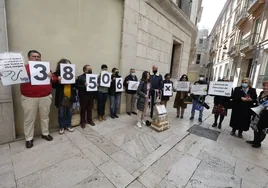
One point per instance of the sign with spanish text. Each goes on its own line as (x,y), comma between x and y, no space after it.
(199,89)
(12,69)
(220,88)
(182,86)
(39,72)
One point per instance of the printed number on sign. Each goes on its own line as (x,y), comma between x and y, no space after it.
(43,71)
(68,73)
(105,79)
(119,85)
(92,82)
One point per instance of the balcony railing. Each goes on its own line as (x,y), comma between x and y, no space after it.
(233,50)
(242,16)
(249,42)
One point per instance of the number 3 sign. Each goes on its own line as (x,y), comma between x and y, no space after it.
(92,82)
(67,73)
(39,72)
(119,84)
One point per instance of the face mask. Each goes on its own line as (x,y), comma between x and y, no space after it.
(133,74)
(89,71)
(116,73)
(244,85)
(201,78)
(155,71)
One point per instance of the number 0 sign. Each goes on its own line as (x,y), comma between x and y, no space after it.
(105,79)
(67,73)
(39,72)
(119,84)
(92,82)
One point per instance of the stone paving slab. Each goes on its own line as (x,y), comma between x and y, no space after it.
(116,153)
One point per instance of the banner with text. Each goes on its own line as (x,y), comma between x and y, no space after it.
(182,86)
(199,89)
(220,88)
(12,69)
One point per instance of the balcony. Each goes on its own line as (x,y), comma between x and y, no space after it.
(253,5)
(234,51)
(241,17)
(249,42)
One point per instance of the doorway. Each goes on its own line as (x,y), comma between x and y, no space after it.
(175,60)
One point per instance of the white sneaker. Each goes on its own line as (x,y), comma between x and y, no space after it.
(70,129)
(143,122)
(61,131)
(139,125)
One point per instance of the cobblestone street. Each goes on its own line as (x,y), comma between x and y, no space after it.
(116,153)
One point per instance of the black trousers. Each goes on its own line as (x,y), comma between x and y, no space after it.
(259,137)
(86,105)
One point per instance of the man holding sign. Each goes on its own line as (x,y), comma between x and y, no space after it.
(131,91)
(36,98)
(115,92)
(87,94)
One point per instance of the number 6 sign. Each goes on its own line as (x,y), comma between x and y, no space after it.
(119,84)
(67,73)
(39,72)
(92,82)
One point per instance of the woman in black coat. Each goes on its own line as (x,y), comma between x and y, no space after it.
(143,93)
(244,98)
(64,98)
(260,133)
(165,99)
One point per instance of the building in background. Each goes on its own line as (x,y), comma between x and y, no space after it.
(240,41)
(201,63)
(120,33)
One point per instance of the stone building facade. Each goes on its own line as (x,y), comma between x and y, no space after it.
(120,33)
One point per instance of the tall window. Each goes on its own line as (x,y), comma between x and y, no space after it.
(198,58)
(201,41)
(185,6)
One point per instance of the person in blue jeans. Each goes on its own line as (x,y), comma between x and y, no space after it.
(115,97)
(102,96)
(64,98)
(201,81)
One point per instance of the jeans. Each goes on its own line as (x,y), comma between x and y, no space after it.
(102,98)
(65,117)
(200,112)
(114,103)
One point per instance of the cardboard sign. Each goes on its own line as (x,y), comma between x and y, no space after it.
(119,85)
(220,88)
(67,73)
(182,86)
(133,85)
(39,72)
(199,89)
(168,90)
(105,79)
(12,69)
(92,82)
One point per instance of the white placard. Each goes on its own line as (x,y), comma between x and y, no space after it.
(119,84)
(67,73)
(199,89)
(12,69)
(39,71)
(133,85)
(105,79)
(182,86)
(168,90)
(161,109)
(92,82)
(220,88)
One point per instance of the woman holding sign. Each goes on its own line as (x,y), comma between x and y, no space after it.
(65,96)
(114,95)
(243,99)
(165,98)
(181,96)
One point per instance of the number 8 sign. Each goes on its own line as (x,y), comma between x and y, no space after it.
(119,84)
(67,73)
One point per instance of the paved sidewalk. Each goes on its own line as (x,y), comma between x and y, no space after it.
(116,153)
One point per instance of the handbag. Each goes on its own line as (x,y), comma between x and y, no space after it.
(188,100)
(66,102)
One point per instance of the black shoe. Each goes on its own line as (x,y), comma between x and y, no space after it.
(214,125)
(219,126)
(48,137)
(135,113)
(91,123)
(250,142)
(29,144)
(128,113)
(191,118)
(116,116)
(256,145)
(83,125)
(181,117)
(112,117)
(240,135)
(232,133)
(200,120)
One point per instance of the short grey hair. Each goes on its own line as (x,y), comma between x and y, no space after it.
(131,69)
(248,80)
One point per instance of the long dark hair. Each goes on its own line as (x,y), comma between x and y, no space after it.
(144,76)
(184,75)
(62,61)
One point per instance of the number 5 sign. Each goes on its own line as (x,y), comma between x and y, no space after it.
(119,84)
(92,82)
(105,79)
(67,73)
(39,72)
